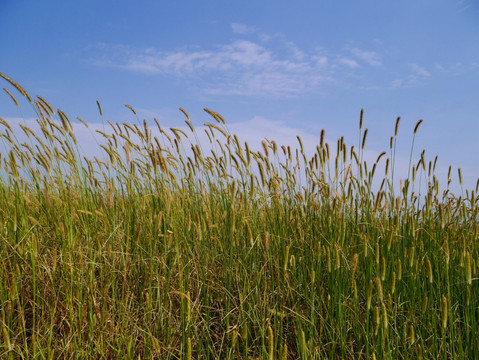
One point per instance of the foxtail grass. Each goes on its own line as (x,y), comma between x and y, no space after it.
(163,247)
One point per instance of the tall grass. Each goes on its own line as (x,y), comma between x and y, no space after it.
(168,248)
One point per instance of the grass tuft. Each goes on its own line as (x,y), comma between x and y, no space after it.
(164,247)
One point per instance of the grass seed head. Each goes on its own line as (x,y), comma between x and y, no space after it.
(425,302)
(369,295)
(361,119)
(383,268)
(396,128)
(412,335)
(429,270)
(16,86)
(379,287)
(364,139)
(270,343)
(354,263)
(11,96)
(468,269)
(385,316)
(417,126)
(444,311)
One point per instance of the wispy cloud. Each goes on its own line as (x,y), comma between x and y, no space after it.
(419,70)
(241,67)
(369,57)
(262,66)
(417,74)
(297,54)
(462,5)
(242,29)
(348,62)
(397,84)
(405,82)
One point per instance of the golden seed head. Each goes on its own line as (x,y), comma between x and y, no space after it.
(369,295)
(380,288)
(16,86)
(11,96)
(99,108)
(393,286)
(380,156)
(429,270)
(364,139)
(329,259)
(337,258)
(286,257)
(361,119)
(265,148)
(383,268)
(397,126)
(186,114)
(300,143)
(44,102)
(444,311)
(417,126)
(385,316)
(377,253)
(377,318)
(354,263)
(285,352)
(468,269)
(129,107)
(188,349)
(412,336)
(266,240)
(270,343)
(399,269)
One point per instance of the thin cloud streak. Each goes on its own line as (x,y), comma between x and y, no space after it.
(348,62)
(419,70)
(242,67)
(369,57)
(242,29)
(263,69)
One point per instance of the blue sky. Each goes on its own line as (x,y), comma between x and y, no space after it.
(272,68)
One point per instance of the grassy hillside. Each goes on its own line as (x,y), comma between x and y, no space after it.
(166,248)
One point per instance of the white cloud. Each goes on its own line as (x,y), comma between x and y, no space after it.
(369,57)
(241,67)
(397,83)
(244,53)
(348,62)
(419,70)
(320,60)
(297,54)
(414,78)
(462,5)
(242,29)
(270,83)
(277,67)
(408,81)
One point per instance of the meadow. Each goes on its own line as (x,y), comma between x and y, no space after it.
(168,248)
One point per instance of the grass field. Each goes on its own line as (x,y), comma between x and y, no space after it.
(166,248)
